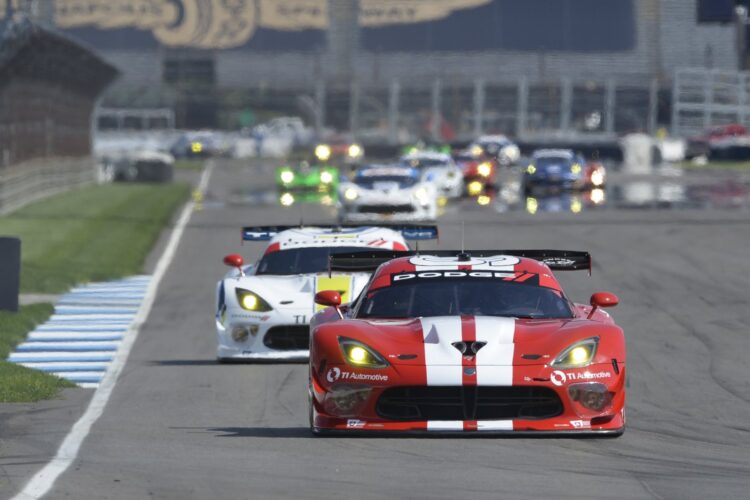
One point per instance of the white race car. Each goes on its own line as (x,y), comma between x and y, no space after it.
(506,151)
(387,192)
(263,310)
(438,168)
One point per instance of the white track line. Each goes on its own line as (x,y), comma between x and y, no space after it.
(43,480)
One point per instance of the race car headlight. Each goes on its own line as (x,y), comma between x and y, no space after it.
(577,355)
(196,147)
(531,169)
(421,195)
(326,177)
(597,177)
(251,301)
(476,150)
(474,188)
(322,152)
(358,354)
(484,169)
(355,151)
(287,176)
(351,194)
(286,199)
(532,205)
(575,168)
(512,152)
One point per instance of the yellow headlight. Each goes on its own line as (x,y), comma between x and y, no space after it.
(576,206)
(196,147)
(355,151)
(579,355)
(250,302)
(483,200)
(357,354)
(351,194)
(474,188)
(476,150)
(532,205)
(576,168)
(322,152)
(484,169)
(531,169)
(326,177)
(287,176)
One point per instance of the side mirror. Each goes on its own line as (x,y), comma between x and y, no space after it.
(235,260)
(602,299)
(330,298)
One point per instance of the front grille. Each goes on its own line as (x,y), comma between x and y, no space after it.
(288,337)
(468,403)
(385,209)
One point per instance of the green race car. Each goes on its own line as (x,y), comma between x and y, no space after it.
(322,178)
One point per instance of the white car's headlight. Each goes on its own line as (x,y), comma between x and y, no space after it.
(511,152)
(351,194)
(484,169)
(251,301)
(287,176)
(422,195)
(577,355)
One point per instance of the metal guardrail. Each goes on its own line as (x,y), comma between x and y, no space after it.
(36,179)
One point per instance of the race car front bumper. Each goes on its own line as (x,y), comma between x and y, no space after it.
(574,402)
(262,338)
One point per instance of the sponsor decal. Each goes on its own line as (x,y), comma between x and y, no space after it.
(558,261)
(300,319)
(581,424)
(559,377)
(494,261)
(353,423)
(395,278)
(335,374)
(257,317)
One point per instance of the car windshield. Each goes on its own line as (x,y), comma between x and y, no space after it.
(549,161)
(375,181)
(425,162)
(457,296)
(306,260)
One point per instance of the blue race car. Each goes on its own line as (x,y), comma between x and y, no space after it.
(555,168)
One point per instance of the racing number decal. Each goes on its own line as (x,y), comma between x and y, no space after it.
(342,284)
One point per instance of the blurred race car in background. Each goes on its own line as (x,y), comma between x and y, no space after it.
(340,150)
(502,149)
(420,147)
(479,171)
(387,192)
(307,177)
(198,145)
(438,168)
(479,341)
(563,169)
(263,310)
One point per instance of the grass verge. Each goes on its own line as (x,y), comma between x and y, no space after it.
(19,384)
(718,165)
(92,234)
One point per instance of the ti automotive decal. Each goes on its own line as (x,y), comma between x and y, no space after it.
(335,374)
(559,377)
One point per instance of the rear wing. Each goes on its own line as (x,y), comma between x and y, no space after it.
(408,231)
(368,261)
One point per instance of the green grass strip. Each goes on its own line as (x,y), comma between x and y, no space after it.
(718,165)
(17,383)
(96,233)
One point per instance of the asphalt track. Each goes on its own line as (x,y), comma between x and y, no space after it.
(180,426)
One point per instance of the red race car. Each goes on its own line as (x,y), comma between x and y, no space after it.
(479,169)
(449,341)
